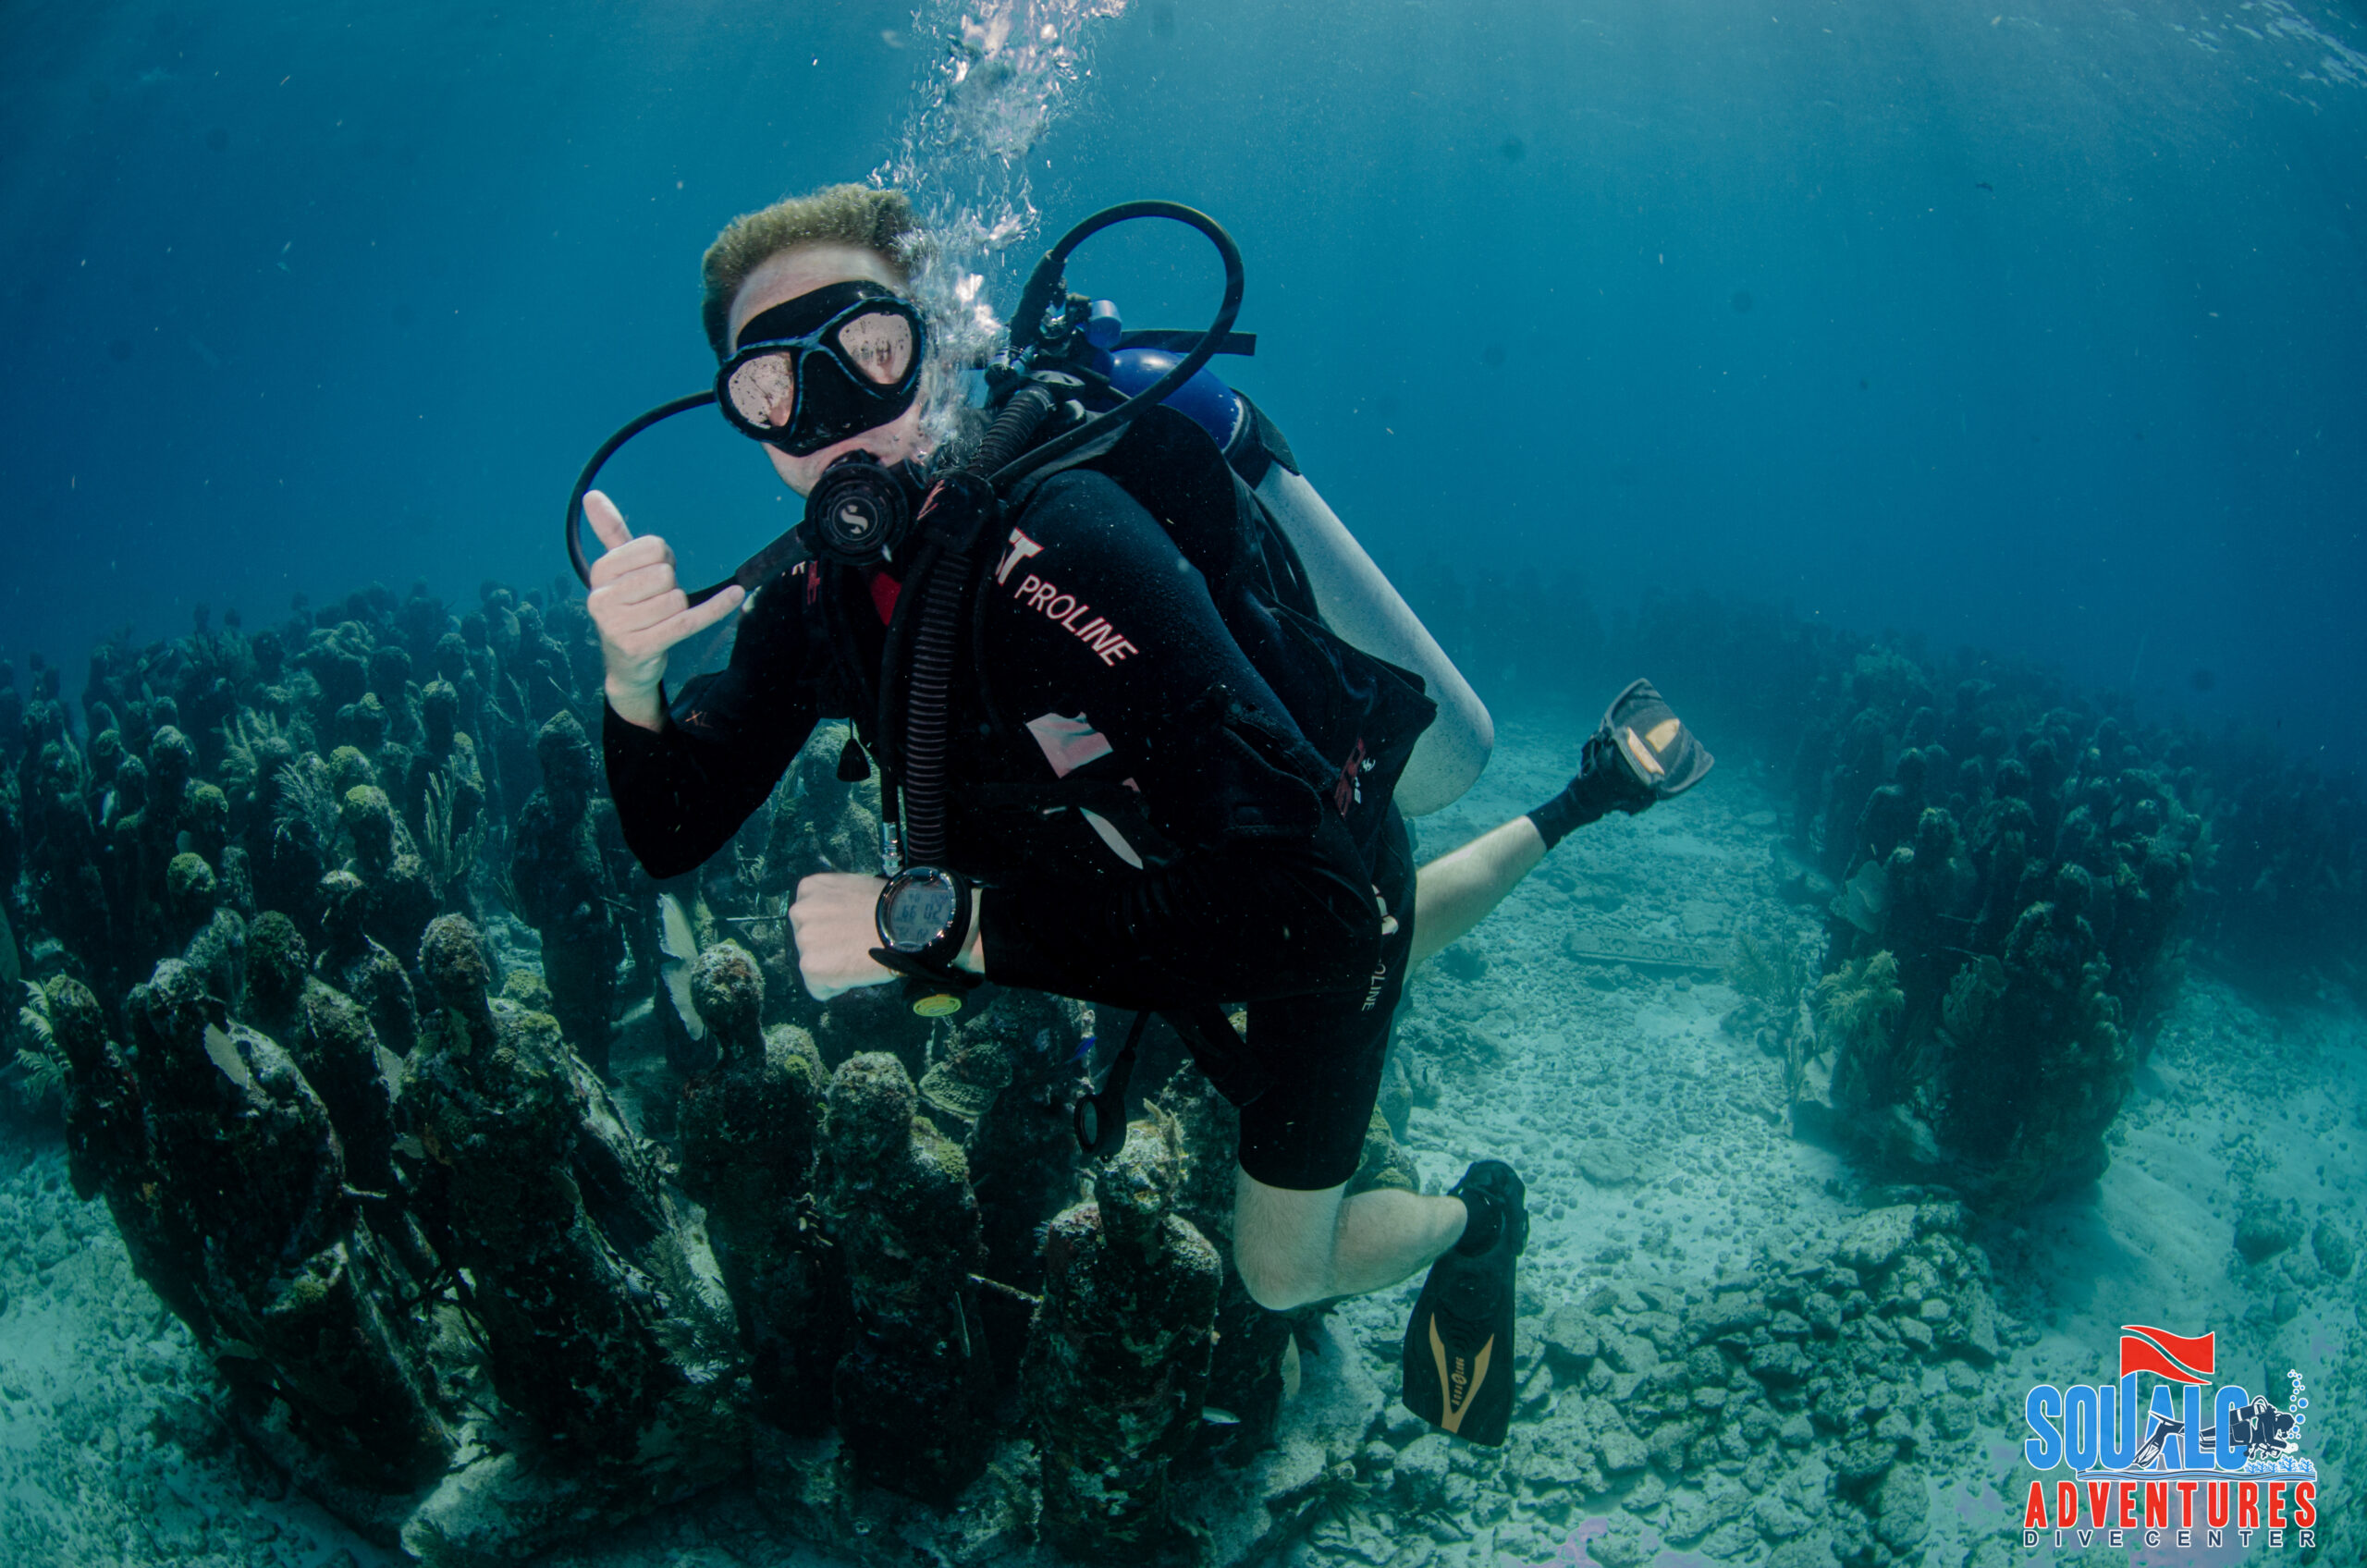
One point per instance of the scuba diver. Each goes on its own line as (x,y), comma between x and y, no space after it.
(1147,723)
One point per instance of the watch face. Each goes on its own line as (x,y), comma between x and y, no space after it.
(918,913)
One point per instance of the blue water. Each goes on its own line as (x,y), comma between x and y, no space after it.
(2036,329)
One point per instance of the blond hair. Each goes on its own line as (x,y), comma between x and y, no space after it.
(878,221)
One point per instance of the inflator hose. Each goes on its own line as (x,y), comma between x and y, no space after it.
(1036,300)
(583,480)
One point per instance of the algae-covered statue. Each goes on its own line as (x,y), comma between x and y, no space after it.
(2007,937)
(562,880)
(912,1391)
(749,1127)
(602,1317)
(227,1178)
(1117,1364)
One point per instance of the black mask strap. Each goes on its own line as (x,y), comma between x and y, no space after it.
(777,557)
(1099,1118)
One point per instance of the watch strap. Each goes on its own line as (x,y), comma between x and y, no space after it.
(913,967)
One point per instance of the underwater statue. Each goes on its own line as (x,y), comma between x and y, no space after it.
(565,888)
(331,1039)
(2043,1064)
(1007,1072)
(224,1172)
(749,1129)
(1246,1375)
(1990,988)
(914,1391)
(602,1313)
(209,937)
(360,965)
(1117,1364)
(387,859)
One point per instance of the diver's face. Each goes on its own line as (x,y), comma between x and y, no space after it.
(801,269)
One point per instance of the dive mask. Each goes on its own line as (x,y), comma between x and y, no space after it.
(848,357)
(824,366)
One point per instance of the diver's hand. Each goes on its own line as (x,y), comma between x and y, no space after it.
(641,612)
(837,920)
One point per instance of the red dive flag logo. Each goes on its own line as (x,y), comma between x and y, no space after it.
(2176,1356)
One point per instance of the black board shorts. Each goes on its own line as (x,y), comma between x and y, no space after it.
(1325,1052)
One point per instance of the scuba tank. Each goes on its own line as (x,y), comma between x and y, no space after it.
(1360,604)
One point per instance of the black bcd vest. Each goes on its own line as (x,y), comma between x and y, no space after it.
(1359,715)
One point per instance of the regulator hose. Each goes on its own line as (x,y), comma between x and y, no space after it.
(950,519)
(591,471)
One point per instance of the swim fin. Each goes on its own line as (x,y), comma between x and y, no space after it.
(1658,759)
(1459,1344)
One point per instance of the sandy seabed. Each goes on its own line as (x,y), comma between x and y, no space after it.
(1657,1154)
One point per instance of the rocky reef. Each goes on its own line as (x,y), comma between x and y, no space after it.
(1798,1413)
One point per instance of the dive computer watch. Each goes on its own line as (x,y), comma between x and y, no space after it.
(924,916)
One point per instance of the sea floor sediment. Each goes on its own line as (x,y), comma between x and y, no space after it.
(1737,1346)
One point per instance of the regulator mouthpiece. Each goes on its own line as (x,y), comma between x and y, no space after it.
(859,511)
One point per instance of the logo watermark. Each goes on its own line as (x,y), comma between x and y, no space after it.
(2185,1462)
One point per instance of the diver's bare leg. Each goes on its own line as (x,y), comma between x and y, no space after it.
(1296,1247)
(1456,891)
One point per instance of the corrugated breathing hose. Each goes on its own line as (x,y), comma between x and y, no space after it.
(961,503)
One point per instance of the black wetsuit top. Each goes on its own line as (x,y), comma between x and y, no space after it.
(1151,828)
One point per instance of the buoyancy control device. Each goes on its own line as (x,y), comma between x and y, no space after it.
(1352,596)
